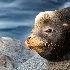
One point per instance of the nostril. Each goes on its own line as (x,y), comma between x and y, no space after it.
(28,38)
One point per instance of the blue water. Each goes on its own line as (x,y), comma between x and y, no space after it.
(17,16)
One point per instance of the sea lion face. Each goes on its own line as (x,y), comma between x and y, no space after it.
(47,36)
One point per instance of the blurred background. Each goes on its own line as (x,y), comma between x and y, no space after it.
(17,16)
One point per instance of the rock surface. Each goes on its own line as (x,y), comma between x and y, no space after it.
(12,53)
(14,56)
(39,63)
(35,63)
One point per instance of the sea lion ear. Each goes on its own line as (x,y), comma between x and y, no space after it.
(65,24)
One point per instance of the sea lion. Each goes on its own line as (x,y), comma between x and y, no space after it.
(50,36)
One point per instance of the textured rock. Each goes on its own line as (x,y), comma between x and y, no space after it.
(39,63)
(35,63)
(14,56)
(12,53)
(5,61)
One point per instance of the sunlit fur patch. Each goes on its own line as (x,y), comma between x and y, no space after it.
(40,18)
(44,15)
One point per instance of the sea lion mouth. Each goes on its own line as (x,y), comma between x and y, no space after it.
(27,43)
(49,51)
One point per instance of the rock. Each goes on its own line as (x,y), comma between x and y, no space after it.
(39,63)
(6,68)
(5,61)
(14,56)
(35,63)
(12,53)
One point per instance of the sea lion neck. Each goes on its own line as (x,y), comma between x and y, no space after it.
(58,56)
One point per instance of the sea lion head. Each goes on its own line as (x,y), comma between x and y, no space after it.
(50,36)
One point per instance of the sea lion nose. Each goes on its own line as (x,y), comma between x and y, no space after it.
(28,38)
(31,36)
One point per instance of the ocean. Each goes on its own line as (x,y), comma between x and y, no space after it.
(17,16)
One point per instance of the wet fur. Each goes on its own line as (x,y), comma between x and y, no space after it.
(58,48)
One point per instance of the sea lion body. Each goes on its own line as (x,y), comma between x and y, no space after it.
(50,36)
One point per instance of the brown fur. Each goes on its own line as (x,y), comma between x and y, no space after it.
(50,36)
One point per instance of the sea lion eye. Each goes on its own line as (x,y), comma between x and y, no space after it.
(49,30)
